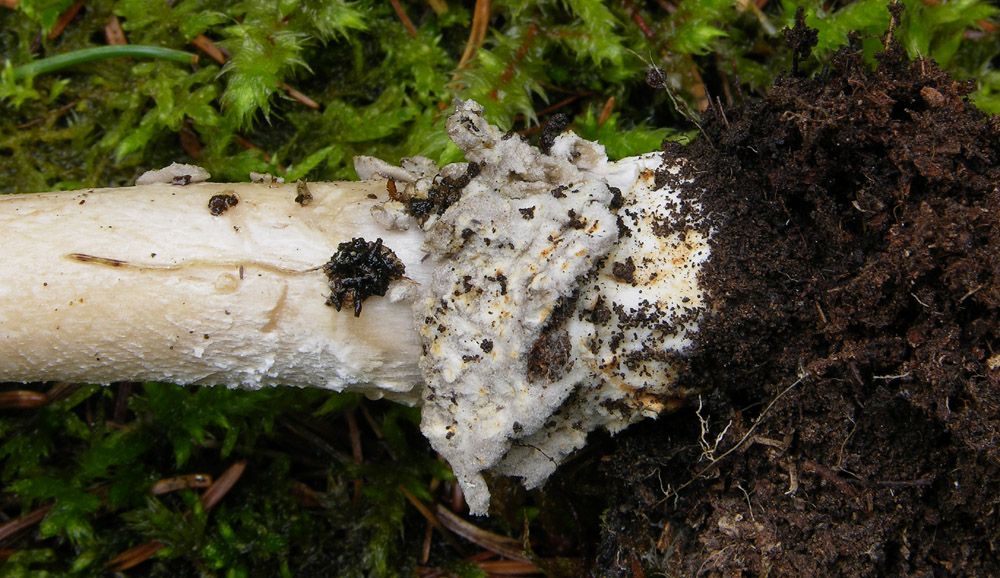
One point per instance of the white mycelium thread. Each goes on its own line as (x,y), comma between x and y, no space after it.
(564,289)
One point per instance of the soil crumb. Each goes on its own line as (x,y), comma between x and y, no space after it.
(849,425)
(360,269)
(221,203)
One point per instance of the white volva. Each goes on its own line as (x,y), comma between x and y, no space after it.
(552,296)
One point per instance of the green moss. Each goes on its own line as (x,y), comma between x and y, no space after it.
(96,476)
(382,91)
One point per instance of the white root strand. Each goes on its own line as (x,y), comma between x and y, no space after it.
(145,283)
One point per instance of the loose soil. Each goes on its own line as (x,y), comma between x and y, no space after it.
(851,388)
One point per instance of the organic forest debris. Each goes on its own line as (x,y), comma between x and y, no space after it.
(855,248)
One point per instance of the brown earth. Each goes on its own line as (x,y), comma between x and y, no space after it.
(850,371)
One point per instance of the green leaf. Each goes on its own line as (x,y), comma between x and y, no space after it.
(176,95)
(198,22)
(152,18)
(333,18)
(507,76)
(427,64)
(15,91)
(45,12)
(618,141)
(130,483)
(339,402)
(185,534)
(19,564)
(692,29)
(987,98)
(88,557)
(867,17)
(597,35)
(937,31)
(68,515)
(139,14)
(22,454)
(385,117)
(115,449)
(261,61)
(299,171)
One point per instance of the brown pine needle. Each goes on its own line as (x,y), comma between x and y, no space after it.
(22,399)
(609,107)
(11,527)
(123,392)
(477,35)
(139,554)
(61,390)
(113,33)
(424,510)
(509,568)
(306,496)
(407,23)
(425,552)
(502,545)
(205,44)
(190,141)
(438,6)
(221,487)
(644,26)
(702,101)
(133,557)
(667,7)
(355,434)
(299,96)
(65,18)
(431,518)
(356,453)
(189,481)
(556,106)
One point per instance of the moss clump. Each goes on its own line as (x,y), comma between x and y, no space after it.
(383,91)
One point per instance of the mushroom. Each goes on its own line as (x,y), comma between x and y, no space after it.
(213,284)
(524,298)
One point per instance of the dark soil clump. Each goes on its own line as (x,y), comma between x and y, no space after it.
(360,269)
(854,355)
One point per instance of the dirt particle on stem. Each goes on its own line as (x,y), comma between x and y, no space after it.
(624,271)
(302,194)
(222,202)
(549,354)
(553,128)
(445,192)
(360,269)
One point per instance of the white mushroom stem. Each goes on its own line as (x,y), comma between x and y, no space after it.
(146,283)
(546,294)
